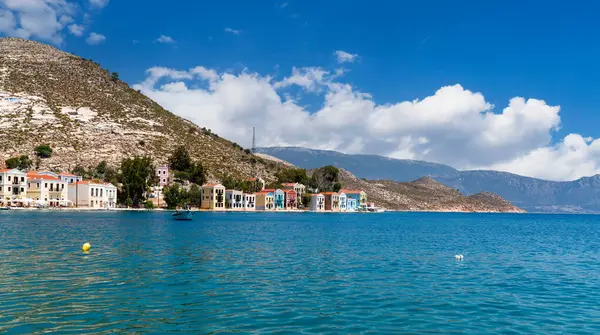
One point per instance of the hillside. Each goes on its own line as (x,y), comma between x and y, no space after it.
(86,115)
(531,194)
(425,194)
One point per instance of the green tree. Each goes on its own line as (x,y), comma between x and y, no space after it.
(230,182)
(197,174)
(292,175)
(324,178)
(149,204)
(182,175)
(114,76)
(180,159)
(43,151)
(306,198)
(22,162)
(336,186)
(101,168)
(195,196)
(172,196)
(136,177)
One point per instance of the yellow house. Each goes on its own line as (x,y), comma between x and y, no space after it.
(265,201)
(213,196)
(48,189)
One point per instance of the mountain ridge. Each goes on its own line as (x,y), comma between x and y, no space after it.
(532,194)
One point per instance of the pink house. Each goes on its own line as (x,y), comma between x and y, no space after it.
(290,199)
(162,172)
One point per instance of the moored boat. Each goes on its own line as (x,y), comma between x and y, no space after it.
(183,215)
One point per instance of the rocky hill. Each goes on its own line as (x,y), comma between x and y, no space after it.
(425,194)
(88,115)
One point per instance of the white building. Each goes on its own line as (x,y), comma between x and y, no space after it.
(343,199)
(93,194)
(68,177)
(47,190)
(317,202)
(162,173)
(13,187)
(249,202)
(234,199)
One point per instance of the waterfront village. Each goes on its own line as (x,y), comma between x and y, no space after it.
(20,188)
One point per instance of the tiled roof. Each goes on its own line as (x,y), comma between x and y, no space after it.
(318,194)
(35,176)
(350,191)
(288,191)
(330,193)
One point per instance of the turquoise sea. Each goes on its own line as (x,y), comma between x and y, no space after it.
(301,273)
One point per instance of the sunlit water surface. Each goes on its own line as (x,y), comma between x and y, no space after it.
(298,273)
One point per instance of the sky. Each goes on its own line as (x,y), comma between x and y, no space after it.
(505,85)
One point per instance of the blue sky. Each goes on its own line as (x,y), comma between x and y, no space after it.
(406,51)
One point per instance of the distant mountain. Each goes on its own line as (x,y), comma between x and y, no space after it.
(531,194)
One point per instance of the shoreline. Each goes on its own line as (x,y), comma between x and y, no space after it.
(80,209)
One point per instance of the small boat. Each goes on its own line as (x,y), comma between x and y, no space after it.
(4,208)
(183,215)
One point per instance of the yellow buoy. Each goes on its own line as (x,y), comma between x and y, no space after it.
(86,246)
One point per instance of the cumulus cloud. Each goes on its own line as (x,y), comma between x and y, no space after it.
(165,39)
(99,3)
(453,125)
(95,39)
(233,31)
(40,19)
(76,30)
(345,57)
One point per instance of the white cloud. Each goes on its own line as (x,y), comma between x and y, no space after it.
(95,39)
(453,125)
(165,39)
(233,31)
(39,19)
(345,57)
(76,30)
(99,3)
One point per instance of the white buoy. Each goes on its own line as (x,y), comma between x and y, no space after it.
(459,257)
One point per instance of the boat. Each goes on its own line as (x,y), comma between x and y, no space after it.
(4,208)
(183,215)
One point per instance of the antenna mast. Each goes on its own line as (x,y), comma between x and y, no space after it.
(253,140)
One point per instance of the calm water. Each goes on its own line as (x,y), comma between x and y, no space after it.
(299,273)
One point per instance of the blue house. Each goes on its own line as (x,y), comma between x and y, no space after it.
(279,199)
(351,204)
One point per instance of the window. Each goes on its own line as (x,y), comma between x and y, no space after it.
(22,189)
(8,178)
(22,179)
(92,193)
(100,192)
(45,185)
(29,185)
(38,185)
(63,186)
(9,189)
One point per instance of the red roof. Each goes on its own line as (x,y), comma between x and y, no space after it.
(209,185)
(288,184)
(288,191)
(35,176)
(264,192)
(268,190)
(330,193)
(252,179)
(350,191)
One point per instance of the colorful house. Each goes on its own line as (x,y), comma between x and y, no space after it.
(279,198)
(343,200)
(359,196)
(317,202)
(234,199)
(290,200)
(265,201)
(299,188)
(13,187)
(47,189)
(213,196)
(162,173)
(332,201)
(249,202)
(351,205)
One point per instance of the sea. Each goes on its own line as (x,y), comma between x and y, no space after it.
(298,273)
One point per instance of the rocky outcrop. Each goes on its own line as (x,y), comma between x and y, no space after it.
(425,194)
(87,115)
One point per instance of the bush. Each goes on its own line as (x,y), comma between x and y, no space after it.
(149,204)
(182,175)
(43,151)
(115,76)
(180,159)
(22,163)
(247,151)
